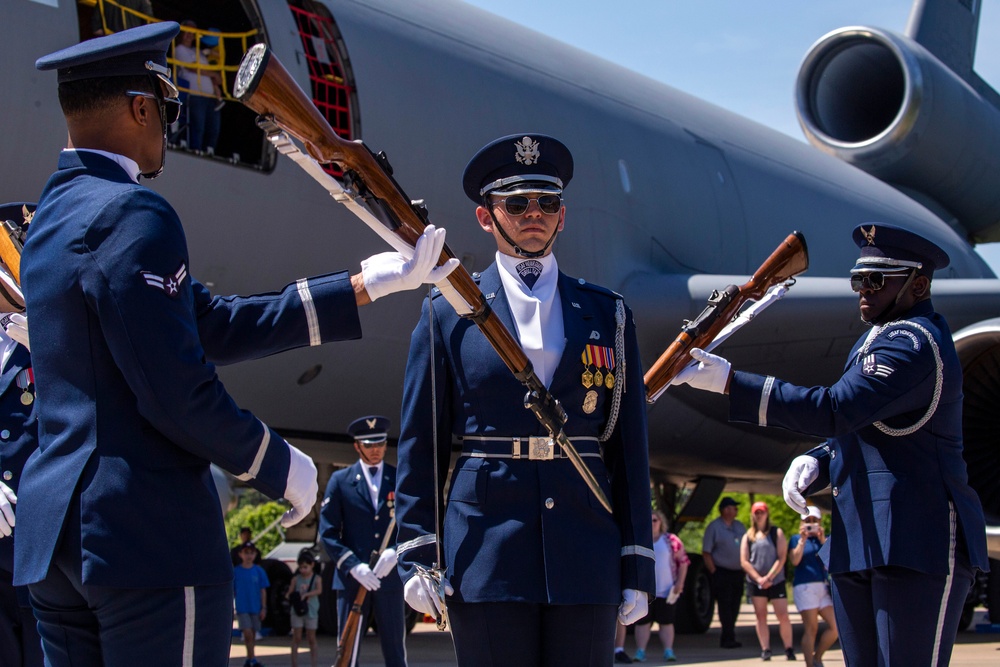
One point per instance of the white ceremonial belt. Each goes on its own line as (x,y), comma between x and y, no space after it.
(416,542)
(532,448)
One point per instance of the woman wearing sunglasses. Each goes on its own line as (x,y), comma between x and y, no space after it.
(893,424)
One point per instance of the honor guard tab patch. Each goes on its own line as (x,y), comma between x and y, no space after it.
(870,366)
(909,334)
(529,272)
(171,284)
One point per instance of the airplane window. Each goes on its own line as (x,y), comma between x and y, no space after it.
(215,36)
(330,75)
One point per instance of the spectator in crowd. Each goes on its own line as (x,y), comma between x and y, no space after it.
(720,548)
(250,585)
(304,597)
(810,587)
(246,535)
(204,87)
(762,554)
(671,571)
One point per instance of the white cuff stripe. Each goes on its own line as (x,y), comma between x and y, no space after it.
(187,651)
(423,540)
(347,554)
(636,550)
(765,397)
(312,320)
(258,460)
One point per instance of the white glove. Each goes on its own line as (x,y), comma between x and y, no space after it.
(421,594)
(17,329)
(390,272)
(386,561)
(634,606)
(301,487)
(675,593)
(711,373)
(365,576)
(7,500)
(803,472)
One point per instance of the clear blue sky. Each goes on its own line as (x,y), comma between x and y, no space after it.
(742,55)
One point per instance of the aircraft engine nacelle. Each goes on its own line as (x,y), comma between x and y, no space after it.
(883,103)
(978,347)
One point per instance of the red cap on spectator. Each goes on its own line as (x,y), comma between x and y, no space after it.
(758,506)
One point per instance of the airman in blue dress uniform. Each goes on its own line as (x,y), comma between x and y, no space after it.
(357,512)
(20,645)
(908,530)
(537,566)
(132,410)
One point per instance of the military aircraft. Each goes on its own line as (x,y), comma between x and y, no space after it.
(672,198)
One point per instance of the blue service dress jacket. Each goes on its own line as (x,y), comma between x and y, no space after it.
(351,528)
(518,529)
(18,435)
(131,410)
(892,495)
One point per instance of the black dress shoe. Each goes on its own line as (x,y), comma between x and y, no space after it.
(731,644)
(623,657)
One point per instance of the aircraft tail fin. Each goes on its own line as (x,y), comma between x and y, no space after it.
(949,29)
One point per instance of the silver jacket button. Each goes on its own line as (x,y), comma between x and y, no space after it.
(549,503)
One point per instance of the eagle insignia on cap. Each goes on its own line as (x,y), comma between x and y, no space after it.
(28,215)
(371,422)
(869,235)
(527,151)
(169,284)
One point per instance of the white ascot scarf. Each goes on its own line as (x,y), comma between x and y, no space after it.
(537,312)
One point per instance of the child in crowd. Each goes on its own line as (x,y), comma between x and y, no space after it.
(308,585)
(250,590)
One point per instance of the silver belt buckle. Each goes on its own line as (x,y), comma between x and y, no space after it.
(541,449)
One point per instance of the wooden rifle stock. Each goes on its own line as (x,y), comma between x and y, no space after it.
(265,86)
(789,259)
(10,248)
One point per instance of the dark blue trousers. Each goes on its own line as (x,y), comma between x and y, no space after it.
(890,616)
(501,634)
(389,608)
(100,626)
(20,645)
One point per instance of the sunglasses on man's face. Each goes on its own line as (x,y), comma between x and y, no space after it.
(518,204)
(171,107)
(873,280)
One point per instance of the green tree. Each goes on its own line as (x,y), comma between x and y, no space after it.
(257,518)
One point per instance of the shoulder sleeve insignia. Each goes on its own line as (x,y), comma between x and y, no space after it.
(871,366)
(170,284)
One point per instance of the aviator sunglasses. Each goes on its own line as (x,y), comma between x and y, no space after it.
(518,204)
(873,280)
(171,106)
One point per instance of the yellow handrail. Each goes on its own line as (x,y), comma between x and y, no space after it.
(241,40)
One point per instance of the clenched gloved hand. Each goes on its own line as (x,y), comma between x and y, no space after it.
(421,593)
(17,329)
(634,606)
(301,487)
(801,473)
(390,272)
(7,501)
(711,373)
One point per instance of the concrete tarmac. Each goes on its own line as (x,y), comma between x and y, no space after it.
(426,647)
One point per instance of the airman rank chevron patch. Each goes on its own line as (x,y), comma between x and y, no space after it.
(171,284)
